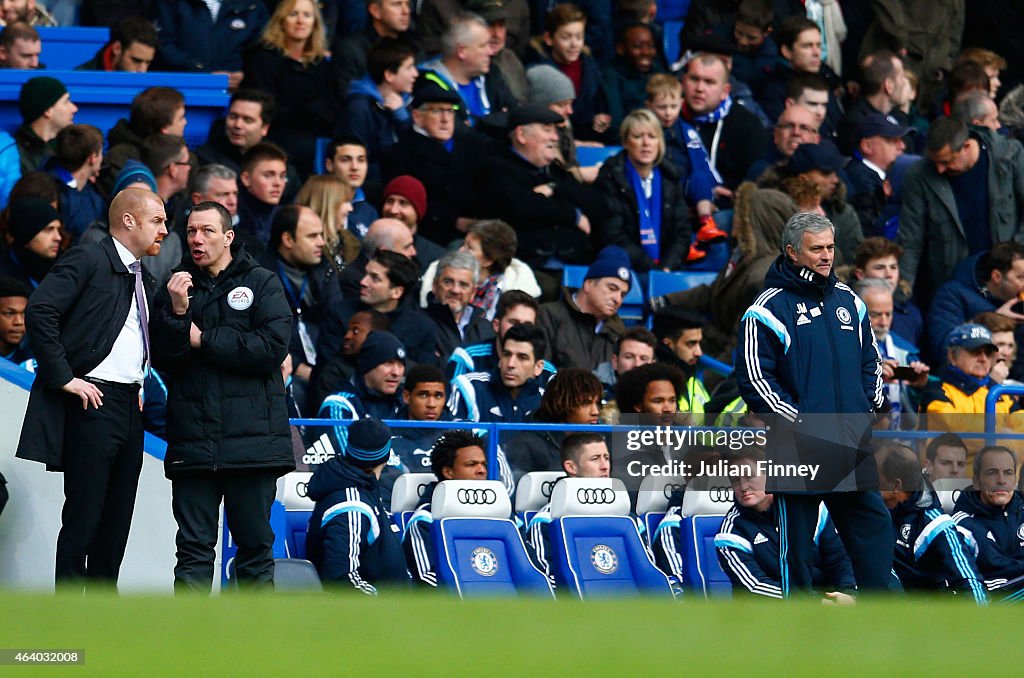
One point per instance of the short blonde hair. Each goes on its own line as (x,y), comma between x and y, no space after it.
(315,48)
(324,194)
(644,118)
(663,84)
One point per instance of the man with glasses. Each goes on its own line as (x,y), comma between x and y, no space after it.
(796,126)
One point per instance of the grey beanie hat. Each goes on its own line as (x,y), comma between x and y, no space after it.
(548,85)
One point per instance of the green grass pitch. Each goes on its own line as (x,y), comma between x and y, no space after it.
(425,635)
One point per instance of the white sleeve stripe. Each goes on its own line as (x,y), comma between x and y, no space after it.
(757,380)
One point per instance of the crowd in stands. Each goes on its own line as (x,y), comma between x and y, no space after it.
(411,172)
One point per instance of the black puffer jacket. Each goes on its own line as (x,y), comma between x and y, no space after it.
(226,405)
(623,226)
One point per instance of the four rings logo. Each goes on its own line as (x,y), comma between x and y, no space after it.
(546,488)
(720,494)
(595,495)
(670,488)
(476,496)
(302,489)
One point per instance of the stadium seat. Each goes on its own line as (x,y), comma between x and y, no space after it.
(705,503)
(660,283)
(67,47)
(406,496)
(533,491)
(948,491)
(672,10)
(294,575)
(320,155)
(653,498)
(228,549)
(588,156)
(596,547)
(479,552)
(298,507)
(632,310)
(670,39)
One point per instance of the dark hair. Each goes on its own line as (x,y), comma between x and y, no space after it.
(222,212)
(757,13)
(631,386)
(153,109)
(423,373)
(530,334)
(944,440)
(567,390)
(980,457)
(379,322)
(620,35)
(792,26)
(268,109)
(671,322)
(967,76)
(802,81)
(632,10)
(402,271)
(261,152)
(879,68)
(447,446)
(12,287)
(75,143)
(159,151)
(18,30)
(574,443)
(509,300)
(637,333)
(497,240)
(387,54)
(875,247)
(944,132)
(286,220)
(36,185)
(1000,258)
(338,142)
(898,462)
(562,14)
(134,29)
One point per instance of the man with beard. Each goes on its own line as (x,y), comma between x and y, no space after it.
(679,333)
(33,241)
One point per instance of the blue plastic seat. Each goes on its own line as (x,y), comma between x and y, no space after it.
(320,155)
(588,156)
(705,503)
(632,310)
(478,550)
(660,283)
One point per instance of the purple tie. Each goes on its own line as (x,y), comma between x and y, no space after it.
(140,301)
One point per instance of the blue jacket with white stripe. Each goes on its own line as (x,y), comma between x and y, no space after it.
(999,532)
(931,553)
(807,364)
(351,539)
(748,551)
(481,396)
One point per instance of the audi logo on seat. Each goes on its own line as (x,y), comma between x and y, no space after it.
(476,496)
(595,495)
(720,494)
(671,488)
(545,488)
(302,489)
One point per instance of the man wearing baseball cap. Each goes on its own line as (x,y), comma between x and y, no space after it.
(821,163)
(880,141)
(405,199)
(965,384)
(444,155)
(351,539)
(46,109)
(583,326)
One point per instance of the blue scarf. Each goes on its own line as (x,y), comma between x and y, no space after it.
(720,112)
(650,210)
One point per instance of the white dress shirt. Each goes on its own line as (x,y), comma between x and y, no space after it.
(124,363)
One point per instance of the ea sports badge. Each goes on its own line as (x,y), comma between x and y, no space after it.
(240,298)
(483,561)
(603,559)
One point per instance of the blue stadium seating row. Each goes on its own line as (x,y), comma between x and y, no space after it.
(104,98)
(66,47)
(658,283)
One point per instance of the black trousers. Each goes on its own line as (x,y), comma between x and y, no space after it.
(102,462)
(863,523)
(248,496)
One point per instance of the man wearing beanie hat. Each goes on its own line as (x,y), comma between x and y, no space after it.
(46,109)
(375,388)
(351,539)
(405,199)
(33,240)
(443,155)
(583,327)
(552,89)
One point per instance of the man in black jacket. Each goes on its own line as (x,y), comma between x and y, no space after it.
(87,322)
(221,331)
(458,321)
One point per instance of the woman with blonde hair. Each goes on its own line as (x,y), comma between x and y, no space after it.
(331,199)
(290,63)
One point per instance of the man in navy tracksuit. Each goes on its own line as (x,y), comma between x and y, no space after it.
(808,365)
(993,512)
(931,554)
(351,539)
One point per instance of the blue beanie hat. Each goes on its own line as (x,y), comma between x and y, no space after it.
(379,347)
(369,443)
(133,172)
(611,262)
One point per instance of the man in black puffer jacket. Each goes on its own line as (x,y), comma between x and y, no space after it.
(220,331)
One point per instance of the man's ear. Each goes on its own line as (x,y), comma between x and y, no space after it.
(569,466)
(288,240)
(116,49)
(396,292)
(538,367)
(246,179)
(229,236)
(405,396)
